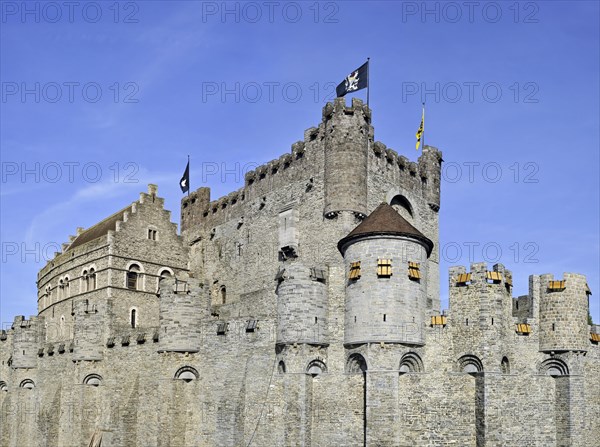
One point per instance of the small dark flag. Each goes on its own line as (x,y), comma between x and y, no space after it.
(184,183)
(355,81)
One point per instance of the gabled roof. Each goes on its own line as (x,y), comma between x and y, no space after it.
(100,229)
(385,221)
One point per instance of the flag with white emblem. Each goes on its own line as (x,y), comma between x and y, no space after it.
(355,81)
(184,183)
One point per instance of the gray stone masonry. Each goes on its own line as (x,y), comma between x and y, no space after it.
(246,330)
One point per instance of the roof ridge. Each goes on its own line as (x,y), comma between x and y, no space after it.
(111,220)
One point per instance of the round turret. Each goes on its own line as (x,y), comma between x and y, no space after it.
(301,305)
(347,132)
(563,313)
(386,280)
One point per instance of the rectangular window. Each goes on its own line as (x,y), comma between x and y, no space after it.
(556,285)
(152,234)
(523,329)
(414,271)
(317,274)
(354,270)
(132,278)
(495,277)
(463,279)
(384,268)
(438,320)
(251,325)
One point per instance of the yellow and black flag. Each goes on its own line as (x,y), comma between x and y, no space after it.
(419,133)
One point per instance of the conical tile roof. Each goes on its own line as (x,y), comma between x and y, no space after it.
(385,221)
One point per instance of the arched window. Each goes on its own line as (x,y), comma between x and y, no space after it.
(133,277)
(554,367)
(133,317)
(92,279)
(505,366)
(61,289)
(67,293)
(93,380)
(315,368)
(3,387)
(27,384)
(470,364)
(411,362)
(84,281)
(356,364)
(187,374)
(223,294)
(164,273)
(403,207)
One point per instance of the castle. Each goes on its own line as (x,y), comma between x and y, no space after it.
(301,310)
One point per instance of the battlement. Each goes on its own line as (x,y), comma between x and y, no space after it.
(27,336)
(479,276)
(394,159)
(563,311)
(198,208)
(21,323)
(572,282)
(338,108)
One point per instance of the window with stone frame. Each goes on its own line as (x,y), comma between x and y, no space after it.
(133,277)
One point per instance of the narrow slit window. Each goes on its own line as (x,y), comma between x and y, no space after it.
(354,270)
(384,268)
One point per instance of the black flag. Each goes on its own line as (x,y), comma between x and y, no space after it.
(356,80)
(184,183)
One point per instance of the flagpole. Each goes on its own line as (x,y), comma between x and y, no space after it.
(368,80)
(188,175)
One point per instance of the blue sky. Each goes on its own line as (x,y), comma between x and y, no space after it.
(99,100)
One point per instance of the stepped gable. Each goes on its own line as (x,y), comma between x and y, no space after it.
(100,229)
(385,221)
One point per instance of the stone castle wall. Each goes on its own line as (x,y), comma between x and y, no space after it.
(247,342)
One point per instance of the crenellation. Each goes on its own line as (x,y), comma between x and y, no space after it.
(301,309)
